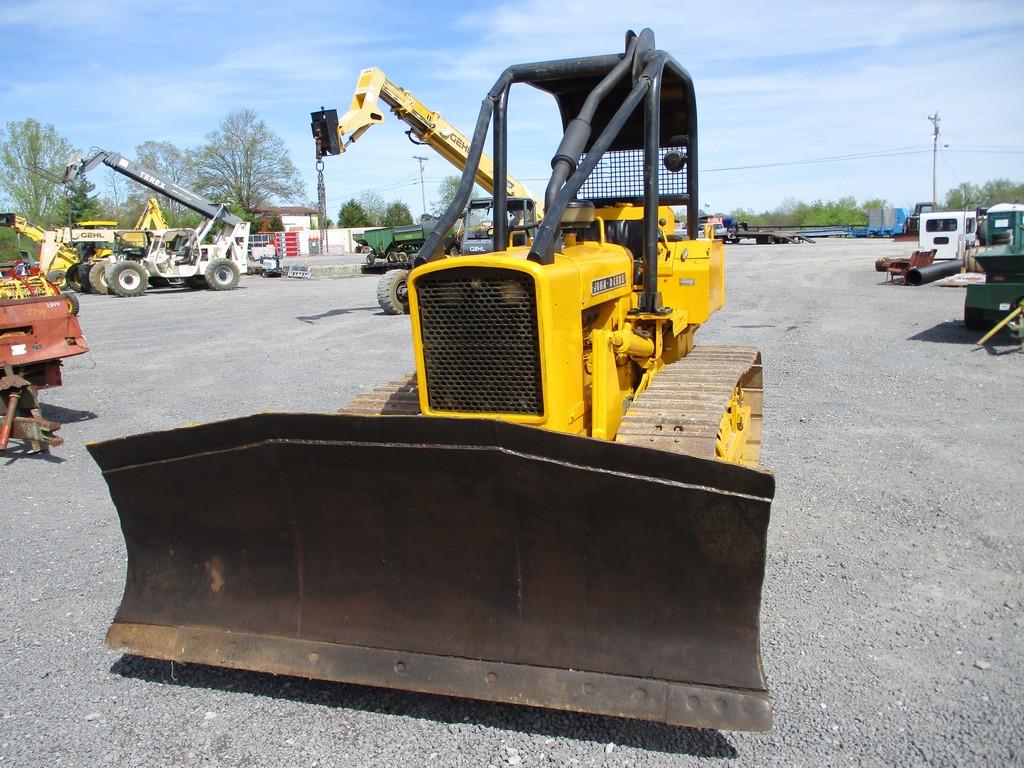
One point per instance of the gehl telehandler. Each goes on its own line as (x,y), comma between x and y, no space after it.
(564,509)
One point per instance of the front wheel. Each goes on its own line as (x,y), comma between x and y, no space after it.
(127,279)
(393,292)
(222,275)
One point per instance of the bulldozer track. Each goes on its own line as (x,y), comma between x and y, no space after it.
(681,411)
(396,398)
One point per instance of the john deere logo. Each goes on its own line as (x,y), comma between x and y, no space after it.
(603,284)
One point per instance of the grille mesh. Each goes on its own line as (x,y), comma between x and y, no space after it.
(480,345)
(619,175)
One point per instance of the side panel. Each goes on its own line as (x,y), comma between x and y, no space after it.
(38,330)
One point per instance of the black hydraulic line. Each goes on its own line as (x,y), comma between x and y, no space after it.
(931,272)
(544,243)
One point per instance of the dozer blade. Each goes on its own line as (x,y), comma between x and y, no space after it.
(465,557)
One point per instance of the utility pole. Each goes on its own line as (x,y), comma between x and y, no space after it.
(423,194)
(935,157)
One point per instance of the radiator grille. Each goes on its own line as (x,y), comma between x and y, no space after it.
(480,344)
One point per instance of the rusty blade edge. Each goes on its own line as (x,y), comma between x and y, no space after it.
(680,704)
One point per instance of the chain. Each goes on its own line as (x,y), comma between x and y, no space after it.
(322,201)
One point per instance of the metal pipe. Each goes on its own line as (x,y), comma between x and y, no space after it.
(932,272)
(8,423)
(499,221)
(433,246)
(542,251)
(577,133)
(652,141)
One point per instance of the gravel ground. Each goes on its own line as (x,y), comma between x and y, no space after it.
(893,601)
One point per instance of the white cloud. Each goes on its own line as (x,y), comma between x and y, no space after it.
(780,82)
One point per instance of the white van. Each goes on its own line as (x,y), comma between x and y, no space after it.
(948,232)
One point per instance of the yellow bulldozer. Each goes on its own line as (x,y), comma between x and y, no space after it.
(581,523)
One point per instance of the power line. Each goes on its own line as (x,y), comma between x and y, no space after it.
(986,151)
(897,152)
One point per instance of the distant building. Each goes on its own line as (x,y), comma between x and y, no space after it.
(293,217)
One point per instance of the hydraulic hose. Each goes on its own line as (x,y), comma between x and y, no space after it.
(577,133)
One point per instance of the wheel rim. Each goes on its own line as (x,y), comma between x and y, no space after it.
(402,291)
(129,279)
(223,275)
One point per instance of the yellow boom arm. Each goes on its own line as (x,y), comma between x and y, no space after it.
(54,257)
(152,216)
(427,126)
(20,225)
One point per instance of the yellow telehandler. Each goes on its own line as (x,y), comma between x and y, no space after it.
(560,509)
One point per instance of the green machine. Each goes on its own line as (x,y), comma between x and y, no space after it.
(999,301)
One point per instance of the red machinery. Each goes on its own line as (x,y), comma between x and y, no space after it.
(38,328)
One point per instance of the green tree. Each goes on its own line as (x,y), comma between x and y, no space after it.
(965,196)
(32,159)
(375,208)
(986,195)
(80,202)
(397,215)
(1002,191)
(244,162)
(445,194)
(352,214)
(171,163)
(13,245)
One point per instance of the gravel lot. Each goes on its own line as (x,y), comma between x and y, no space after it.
(893,604)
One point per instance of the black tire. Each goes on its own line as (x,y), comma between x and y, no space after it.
(127,279)
(73,305)
(58,277)
(393,292)
(72,278)
(98,278)
(974,319)
(222,275)
(82,275)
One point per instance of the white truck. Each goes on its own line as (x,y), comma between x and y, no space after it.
(948,233)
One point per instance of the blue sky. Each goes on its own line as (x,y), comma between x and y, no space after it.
(776,82)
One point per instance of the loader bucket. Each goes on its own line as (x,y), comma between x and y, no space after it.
(465,557)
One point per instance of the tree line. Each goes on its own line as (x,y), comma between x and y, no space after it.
(370,210)
(242,164)
(847,211)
